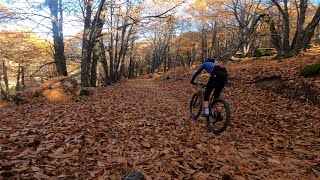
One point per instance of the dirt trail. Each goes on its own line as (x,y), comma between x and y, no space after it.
(140,125)
(134,125)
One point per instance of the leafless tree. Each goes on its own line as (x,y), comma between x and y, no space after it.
(56,9)
(247,15)
(303,34)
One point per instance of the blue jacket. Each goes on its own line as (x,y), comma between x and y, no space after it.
(208,66)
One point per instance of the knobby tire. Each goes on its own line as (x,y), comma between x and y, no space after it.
(227,118)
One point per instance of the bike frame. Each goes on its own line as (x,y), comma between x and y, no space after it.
(203,89)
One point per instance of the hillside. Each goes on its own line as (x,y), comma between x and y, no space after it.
(143,125)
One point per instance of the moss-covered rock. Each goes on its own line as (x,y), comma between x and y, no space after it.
(61,88)
(310,70)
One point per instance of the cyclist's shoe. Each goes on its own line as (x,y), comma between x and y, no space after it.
(206,115)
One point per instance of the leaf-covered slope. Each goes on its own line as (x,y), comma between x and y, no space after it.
(274,135)
(143,125)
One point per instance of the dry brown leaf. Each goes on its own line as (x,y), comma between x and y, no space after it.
(215,148)
(4,140)
(21,170)
(200,146)
(225,169)
(274,161)
(187,168)
(201,176)
(95,173)
(39,175)
(36,169)
(146,144)
(25,153)
(246,170)
(162,175)
(221,159)
(54,155)
(122,161)
(237,177)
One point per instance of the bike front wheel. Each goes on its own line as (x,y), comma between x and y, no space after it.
(220,116)
(195,105)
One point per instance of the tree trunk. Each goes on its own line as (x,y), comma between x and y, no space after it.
(2,92)
(5,76)
(116,53)
(23,86)
(286,36)
(95,59)
(104,63)
(86,53)
(247,36)
(18,78)
(213,39)
(111,48)
(318,35)
(91,33)
(124,47)
(309,30)
(165,62)
(131,68)
(275,37)
(138,69)
(167,58)
(56,21)
(302,9)
(131,61)
(204,46)
(170,59)
(122,73)
(166,52)
(308,37)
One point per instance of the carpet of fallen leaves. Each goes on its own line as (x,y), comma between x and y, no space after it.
(143,125)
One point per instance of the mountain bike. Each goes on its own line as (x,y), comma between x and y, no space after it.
(220,116)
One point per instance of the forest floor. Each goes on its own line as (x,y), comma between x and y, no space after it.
(143,125)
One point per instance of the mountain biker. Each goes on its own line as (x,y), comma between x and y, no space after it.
(217,81)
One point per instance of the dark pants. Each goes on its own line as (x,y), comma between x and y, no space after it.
(213,84)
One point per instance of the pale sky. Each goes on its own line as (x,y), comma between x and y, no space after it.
(70,28)
(43,29)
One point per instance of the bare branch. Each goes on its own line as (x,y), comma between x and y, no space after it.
(34,14)
(41,67)
(135,21)
(275,2)
(161,15)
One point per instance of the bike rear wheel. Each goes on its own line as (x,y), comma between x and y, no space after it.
(195,105)
(219,119)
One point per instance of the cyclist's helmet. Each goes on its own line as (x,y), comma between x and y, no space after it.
(210,60)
